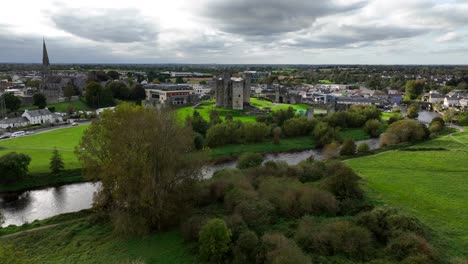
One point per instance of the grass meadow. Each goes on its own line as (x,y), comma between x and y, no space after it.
(430,185)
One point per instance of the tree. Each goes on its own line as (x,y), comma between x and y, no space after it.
(40,100)
(249,160)
(363,147)
(348,148)
(56,162)
(179,80)
(214,118)
(324,134)
(147,180)
(255,132)
(113,75)
(119,90)
(277,135)
(331,150)
(372,127)
(13,166)
(138,93)
(198,123)
(93,94)
(215,239)
(11,101)
(413,112)
(33,83)
(414,88)
(68,92)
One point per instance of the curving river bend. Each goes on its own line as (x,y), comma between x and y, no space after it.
(44,203)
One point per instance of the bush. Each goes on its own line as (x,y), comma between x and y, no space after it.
(222,134)
(408,244)
(413,112)
(323,134)
(190,229)
(348,148)
(331,150)
(277,135)
(363,147)
(298,126)
(255,132)
(435,127)
(317,202)
(249,160)
(246,248)
(279,249)
(198,141)
(13,167)
(215,239)
(342,182)
(438,119)
(225,180)
(256,213)
(311,171)
(236,196)
(372,127)
(404,131)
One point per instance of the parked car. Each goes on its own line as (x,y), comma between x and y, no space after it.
(30,132)
(74,124)
(18,134)
(4,136)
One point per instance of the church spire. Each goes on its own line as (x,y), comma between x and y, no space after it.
(45,56)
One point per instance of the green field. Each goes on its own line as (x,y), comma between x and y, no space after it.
(207,106)
(431,185)
(76,239)
(39,147)
(63,106)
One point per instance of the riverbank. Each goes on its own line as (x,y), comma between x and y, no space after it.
(81,238)
(43,180)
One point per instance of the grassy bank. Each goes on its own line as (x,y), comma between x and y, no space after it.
(76,238)
(39,180)
(428,184)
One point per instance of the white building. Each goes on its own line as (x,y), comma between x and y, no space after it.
(40,116)
(451,101)
(201,89)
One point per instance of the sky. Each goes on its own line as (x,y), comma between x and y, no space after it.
(236,31)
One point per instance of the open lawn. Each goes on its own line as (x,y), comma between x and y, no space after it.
(39,147)
(76,239)
(431,185)
(207,106)
(64,106)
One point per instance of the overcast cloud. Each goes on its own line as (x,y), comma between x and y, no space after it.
(241,31)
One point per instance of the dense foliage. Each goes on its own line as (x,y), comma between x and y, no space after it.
(13,166)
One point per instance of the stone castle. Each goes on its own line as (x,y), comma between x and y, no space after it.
(232,92)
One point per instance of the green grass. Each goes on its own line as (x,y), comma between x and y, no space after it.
(431,185)
(63,106)
(207,106)
(39,147)
(80,240)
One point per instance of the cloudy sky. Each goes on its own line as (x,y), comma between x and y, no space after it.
(236,31)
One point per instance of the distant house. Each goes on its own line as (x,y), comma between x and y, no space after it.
(436,98)
(14,122)
(40,116)
(464,103)
(451,101)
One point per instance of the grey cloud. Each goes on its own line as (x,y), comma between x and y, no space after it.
(108,25)
(347,36)
(267,17)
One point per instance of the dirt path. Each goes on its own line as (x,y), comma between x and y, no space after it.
(28,231)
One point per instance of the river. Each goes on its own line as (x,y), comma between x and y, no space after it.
(44,203)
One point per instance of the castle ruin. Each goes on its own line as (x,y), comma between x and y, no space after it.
(232,92)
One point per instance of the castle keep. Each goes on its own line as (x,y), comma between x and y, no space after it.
(232,92)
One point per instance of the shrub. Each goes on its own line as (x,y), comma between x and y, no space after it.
(236,196)
(317,202)
(277,135)
(348,148)
(312,237)
(331,150)
(323,134)
(342,182)
(246,248)
(438,119)
(363,147)
(215,238)
(279,249)
(222,134)
(283,193)
(255,132)
(395,117)
(435,127)
(249,160)
(298,126)
(256,213)
(198,141)
(349,239)
(408,244)
(412,112)
(311,171)
(190,229)
(404,131)
(225,180)
(372,127)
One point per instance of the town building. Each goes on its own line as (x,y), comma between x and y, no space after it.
(31,117)
(232,92)
(171,94)
(255,76)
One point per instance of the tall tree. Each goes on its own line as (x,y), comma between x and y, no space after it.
(138,93)
(146,179)
(93,93)
(119,90)
(68,92)
(414,88)
(39,100)
(11,101)
(13,166)
(56,162)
